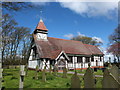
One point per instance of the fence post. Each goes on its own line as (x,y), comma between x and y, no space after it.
(22,74)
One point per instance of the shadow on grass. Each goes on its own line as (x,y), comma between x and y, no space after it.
(7,74)
(13,78)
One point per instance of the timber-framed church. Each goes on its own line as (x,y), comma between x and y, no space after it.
(50,51)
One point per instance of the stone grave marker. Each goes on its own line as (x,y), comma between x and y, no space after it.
(109,80)
(55,70)
(50,69)
(109,66)
(44,74)
(22,74)
(36,72)
(115,72)
(75,81)
(64,72)
(89,79)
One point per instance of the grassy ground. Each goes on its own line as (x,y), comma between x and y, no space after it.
(99,72)
(11,80)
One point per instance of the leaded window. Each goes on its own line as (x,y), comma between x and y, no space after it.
(79,59)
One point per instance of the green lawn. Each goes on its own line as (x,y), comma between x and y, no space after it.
(11,80)
(99,72)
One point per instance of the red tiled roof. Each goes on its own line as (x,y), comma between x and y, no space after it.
(53,47)
(41,26)
(93,49)
(69,46)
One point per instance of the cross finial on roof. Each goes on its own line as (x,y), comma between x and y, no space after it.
(41,15)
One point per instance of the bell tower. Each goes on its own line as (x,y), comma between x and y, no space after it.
(41,31)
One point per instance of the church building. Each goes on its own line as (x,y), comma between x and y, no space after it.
(50,51)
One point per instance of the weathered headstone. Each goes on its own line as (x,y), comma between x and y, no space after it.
(64,72)
(50,69)
(55,70)
(22,74)
(75,81)
(109,66)
(115,72)
(89,79)
(36,72)
(44,74)
(109,80)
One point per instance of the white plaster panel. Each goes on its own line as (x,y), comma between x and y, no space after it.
(32,64)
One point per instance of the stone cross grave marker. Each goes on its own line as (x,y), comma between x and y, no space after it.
(22,74)
(89,79)
(109,80)
(64,72)
(44,74)
(75,81)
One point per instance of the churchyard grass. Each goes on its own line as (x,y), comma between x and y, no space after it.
(11,80)
(99,72)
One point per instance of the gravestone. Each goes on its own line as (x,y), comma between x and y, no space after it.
(50,69)
(44,74)
(64,72)
(109,66)
(109,81)
(22,74)
(75,81)
(89,79)
(115,72)
(55,70)
(36,72)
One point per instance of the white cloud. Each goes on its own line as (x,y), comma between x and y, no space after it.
(80,34)
(69,36)
(97,39)
(92,9)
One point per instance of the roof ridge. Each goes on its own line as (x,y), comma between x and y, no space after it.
(90,45)
(66,39)
(73,41)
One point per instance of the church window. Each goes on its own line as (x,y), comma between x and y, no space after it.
(70,59)
(87,59)
(92,58)
(100,58)
(79,59)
